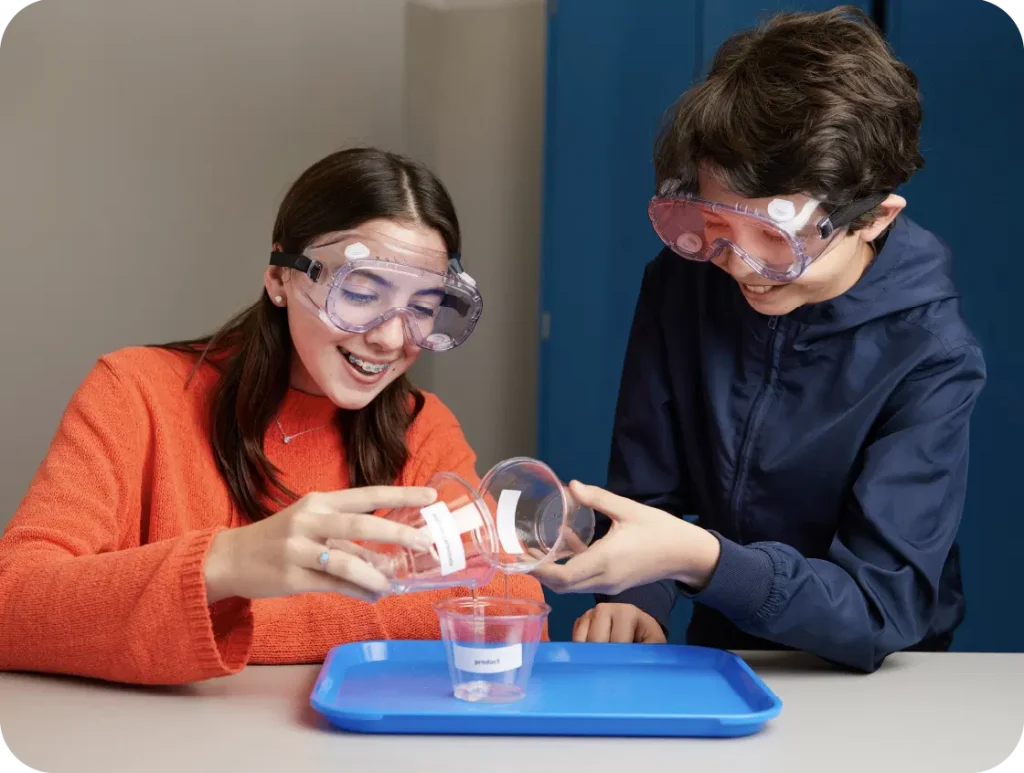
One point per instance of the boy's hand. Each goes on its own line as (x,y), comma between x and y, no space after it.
(643,545)
(623,623)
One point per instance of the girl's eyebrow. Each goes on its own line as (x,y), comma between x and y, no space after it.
(435,291)
(374,277)
(387,284)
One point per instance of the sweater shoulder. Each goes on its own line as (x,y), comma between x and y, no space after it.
(434,419)
(158,371)
(169,386)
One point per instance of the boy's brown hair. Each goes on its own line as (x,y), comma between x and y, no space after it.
(807,103)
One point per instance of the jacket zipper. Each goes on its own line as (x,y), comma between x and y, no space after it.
(757,414)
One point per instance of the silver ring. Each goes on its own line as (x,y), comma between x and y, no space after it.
(323,559)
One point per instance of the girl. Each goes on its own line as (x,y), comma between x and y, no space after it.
(174,531)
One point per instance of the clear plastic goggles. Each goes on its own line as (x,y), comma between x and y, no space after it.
(364,279)
(778,241)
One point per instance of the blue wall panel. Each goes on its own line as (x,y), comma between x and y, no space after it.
(722,18)
(614,66)
(971,69)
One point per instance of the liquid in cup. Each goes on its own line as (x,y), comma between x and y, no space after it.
(491,643)
(464,546)
(536,516)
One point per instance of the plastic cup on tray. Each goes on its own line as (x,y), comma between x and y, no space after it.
(490,643)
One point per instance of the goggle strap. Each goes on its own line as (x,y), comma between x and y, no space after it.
(846,214)
(308,266)
(455,267)
(312,268)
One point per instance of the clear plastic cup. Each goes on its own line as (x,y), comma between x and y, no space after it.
(464,549)
(536,516)
(491,643)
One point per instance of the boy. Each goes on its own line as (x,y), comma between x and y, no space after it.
(798,376)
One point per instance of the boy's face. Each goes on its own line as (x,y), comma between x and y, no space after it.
(834,272)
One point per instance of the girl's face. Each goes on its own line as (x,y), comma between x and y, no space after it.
(350,368)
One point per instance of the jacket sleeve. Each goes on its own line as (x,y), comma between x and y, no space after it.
(646,463)
(78,595)
(875,593)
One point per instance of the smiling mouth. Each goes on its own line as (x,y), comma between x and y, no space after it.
(758,289)
(365,366)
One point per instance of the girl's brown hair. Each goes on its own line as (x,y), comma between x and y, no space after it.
(253,351)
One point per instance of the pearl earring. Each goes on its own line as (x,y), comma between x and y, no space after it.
(278,299)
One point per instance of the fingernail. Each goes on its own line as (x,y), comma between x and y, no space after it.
(424,542)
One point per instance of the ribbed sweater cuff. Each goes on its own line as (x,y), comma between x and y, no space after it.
(741,583)
(221,634)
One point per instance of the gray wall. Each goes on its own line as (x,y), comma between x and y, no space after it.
(475,113)
(144,149)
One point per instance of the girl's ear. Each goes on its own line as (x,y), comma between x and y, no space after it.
(275,279)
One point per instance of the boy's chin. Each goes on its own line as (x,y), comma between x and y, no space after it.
(777,301)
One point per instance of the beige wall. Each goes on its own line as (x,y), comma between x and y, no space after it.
(475,113)
(145,146)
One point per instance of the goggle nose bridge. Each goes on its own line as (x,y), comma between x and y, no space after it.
(408,322)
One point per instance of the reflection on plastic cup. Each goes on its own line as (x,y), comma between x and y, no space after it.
(491,643)
(536,517)
(464,549)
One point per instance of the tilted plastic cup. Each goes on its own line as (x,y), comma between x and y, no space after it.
(464,549)
(536,516)
(491,643)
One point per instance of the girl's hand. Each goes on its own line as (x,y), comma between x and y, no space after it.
(280,555)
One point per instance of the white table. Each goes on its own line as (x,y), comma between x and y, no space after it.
(920,712)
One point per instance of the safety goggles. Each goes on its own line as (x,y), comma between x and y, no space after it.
(778,241)
(364,279)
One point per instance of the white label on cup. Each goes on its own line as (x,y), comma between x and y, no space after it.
(507,503)
(447,539)
(467,518)
(495,660)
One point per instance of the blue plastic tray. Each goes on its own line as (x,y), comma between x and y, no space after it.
(575,689)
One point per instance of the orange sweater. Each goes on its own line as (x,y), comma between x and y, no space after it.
(101,569)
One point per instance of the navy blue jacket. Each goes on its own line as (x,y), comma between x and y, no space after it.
(826,449)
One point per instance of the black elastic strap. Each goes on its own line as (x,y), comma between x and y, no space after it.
(846,214)
(298,262)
